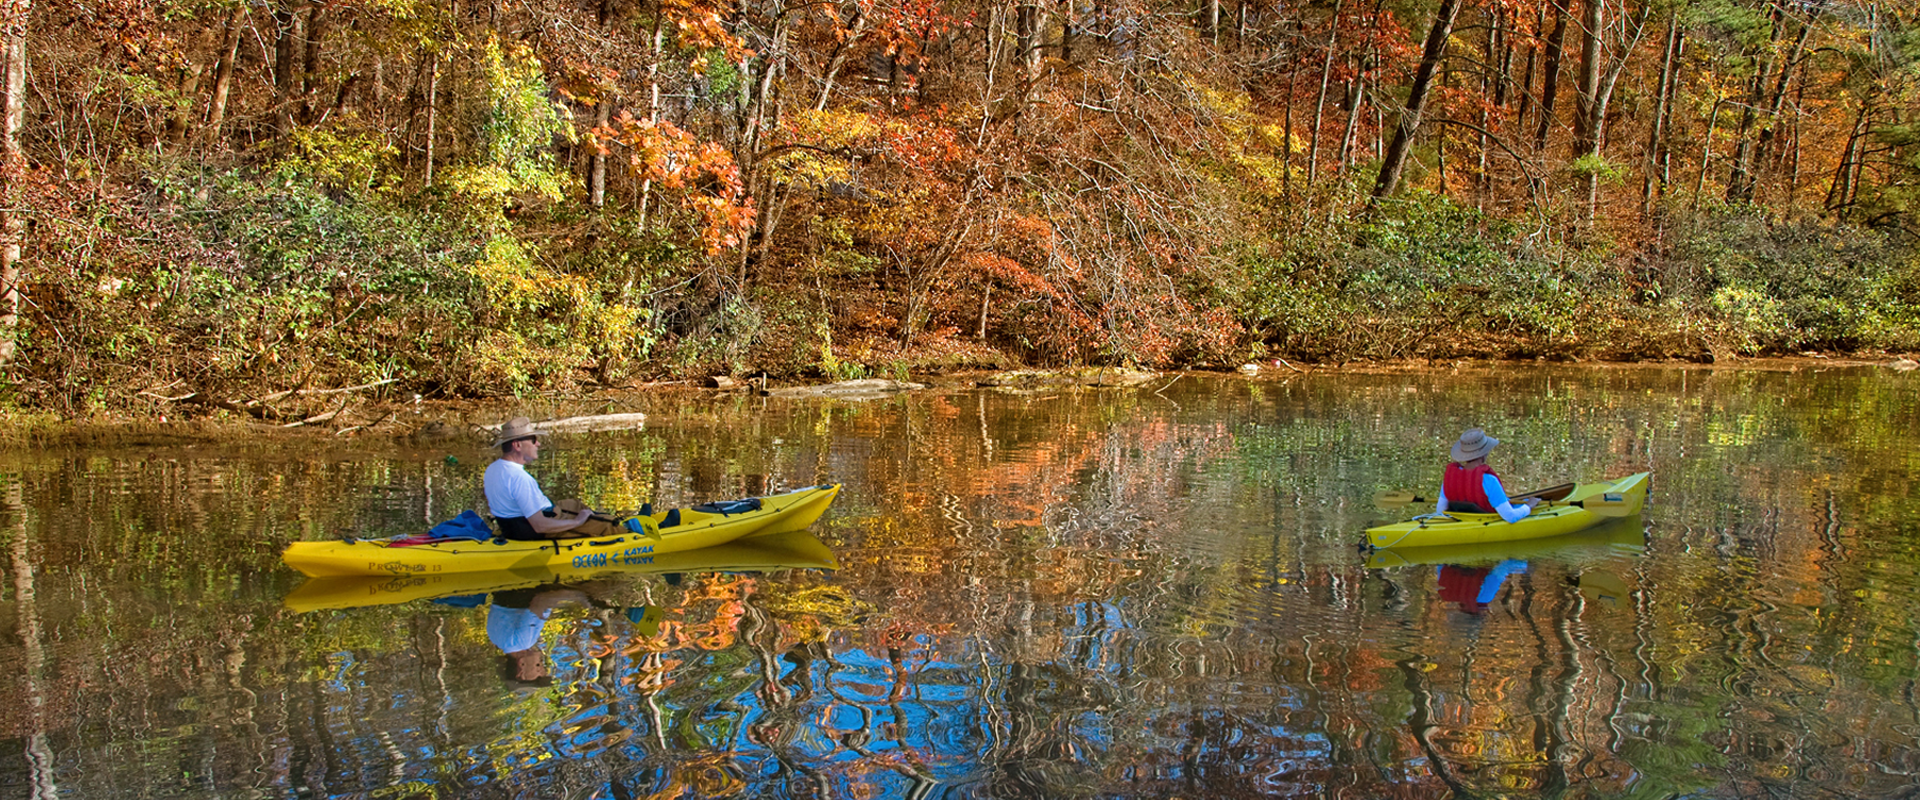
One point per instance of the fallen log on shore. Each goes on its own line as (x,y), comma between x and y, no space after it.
(587,424)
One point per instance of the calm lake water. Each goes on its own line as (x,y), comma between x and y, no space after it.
(1148,592)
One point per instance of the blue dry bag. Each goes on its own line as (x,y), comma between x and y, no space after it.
(466,526)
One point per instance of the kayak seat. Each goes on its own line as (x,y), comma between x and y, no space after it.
(672,519)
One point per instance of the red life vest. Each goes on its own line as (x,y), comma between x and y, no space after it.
(1464,487)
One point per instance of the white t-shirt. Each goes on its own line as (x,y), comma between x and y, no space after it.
(511,492)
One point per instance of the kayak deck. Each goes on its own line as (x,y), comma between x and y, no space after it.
(1622,497)
(780,513)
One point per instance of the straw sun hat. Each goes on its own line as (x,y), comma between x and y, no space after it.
(1475,443)
(516,428)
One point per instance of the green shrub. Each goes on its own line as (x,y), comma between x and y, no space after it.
(1419,276)
(1770,285)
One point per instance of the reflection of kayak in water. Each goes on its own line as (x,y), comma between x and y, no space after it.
(670,532)
(791,550)
(1604,589)
(1587,506)
(1613,535)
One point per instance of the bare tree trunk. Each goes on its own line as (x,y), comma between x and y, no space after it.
(1740,180)
(1394,158)
(1493,84)
(287,58)
(653,111)
(1840,194)
(13,168)
(1596,87)
(1770,135)
(1526,78)
(1068,31)
(1550,75)
(223,75)
(1793,141)
(377,91)
(1210,20)
(1500,46)
(1286,139)
(1656,169)
(1706,152)
(1027,30)
(1586,113)
(834,63)
(757,97)
(433,111)
(1320,104)
(181,122)
(1354,97)
(316,30)
(597,173)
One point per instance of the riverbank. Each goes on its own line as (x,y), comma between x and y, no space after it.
(434,424)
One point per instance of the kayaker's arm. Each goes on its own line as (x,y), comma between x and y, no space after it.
(1509,510)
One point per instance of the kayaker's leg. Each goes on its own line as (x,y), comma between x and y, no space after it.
(597,525)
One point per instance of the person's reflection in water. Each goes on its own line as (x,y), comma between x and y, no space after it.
(515,619)
(1473,588)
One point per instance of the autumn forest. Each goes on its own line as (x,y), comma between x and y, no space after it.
(468,198)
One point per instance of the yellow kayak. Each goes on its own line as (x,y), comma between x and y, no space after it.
(791,550)
(1627,535)
(694,529)
(1584,508)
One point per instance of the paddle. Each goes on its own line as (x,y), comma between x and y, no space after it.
(1551,494)
(1606,505)
(1401,497)
(1392,498)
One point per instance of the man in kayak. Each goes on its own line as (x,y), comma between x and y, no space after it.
(1470,486)
(514,497)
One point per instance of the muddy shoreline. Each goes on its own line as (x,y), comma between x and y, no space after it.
(412,422)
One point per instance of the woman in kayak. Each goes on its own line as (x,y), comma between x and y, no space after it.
(1470,486)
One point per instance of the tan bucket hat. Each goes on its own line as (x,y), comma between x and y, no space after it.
(516,428)
(1473,444)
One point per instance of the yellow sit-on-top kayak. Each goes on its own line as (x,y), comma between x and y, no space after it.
(1608,538)
(1586,506)
(792,550)
(689,529)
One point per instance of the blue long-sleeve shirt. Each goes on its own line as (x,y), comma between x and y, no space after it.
(1496,494)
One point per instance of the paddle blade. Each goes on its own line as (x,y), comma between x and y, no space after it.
(1551,494)
(1609,505)
(1393,498)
